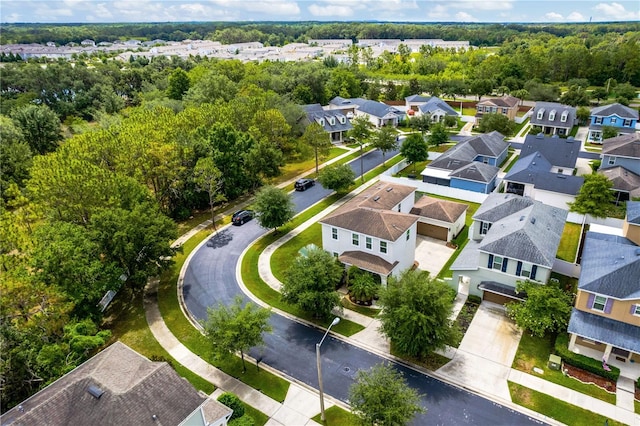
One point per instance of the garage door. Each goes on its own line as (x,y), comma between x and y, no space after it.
(432,231)
(496,298)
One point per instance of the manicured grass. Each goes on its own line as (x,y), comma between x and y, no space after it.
(636,405)
(519,127)
(468,111)
(511,164)
(568,248)
(259,418)
(555,408)
(431,362)
(336,416)
(283,256)
(128,324)
(370,312)
(534,352)
(270,384)
(291,170)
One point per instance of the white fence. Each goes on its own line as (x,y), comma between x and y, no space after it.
(431,188)
(566,268)
(520,120)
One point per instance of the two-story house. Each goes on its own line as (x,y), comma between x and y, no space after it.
(606,316)
(472,164)
(512,239)
(554,118)
(545,170)
(378,113)
(621,165)
(622,118)
(433,107)
(375,230)
(505,105)
(334,122)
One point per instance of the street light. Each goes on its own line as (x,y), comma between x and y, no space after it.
(334,322)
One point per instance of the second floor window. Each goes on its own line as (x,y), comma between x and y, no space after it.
(598,120)
(484,227)
(612,161)
(626,123)
(355,239)
(599,303)
(334,233)
(383,246)
(367,243)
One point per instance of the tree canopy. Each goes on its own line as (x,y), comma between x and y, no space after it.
(414,149)
(595,197)
(336,177)
(273,207)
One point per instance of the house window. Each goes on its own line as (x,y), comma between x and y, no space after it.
(564,116)
(400,207)
(484,227)
(355,239)
(334,233)
(612,161)
(335,254)
(598,120)
(626,123)
(497,262)
(367,243)
(613,120)
(383,246)
(485,160)
(560,171)
(599,303)
(540,114)
(504,110)
(635,310)
(408,234)
(552,115)
(526,270)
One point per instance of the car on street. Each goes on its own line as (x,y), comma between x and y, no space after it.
(242,216)
(304,184)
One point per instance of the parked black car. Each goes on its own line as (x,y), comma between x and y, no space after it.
(242,216)
(304,184)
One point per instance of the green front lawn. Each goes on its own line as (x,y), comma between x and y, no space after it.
(556,409)
(512,163)
(534,352)
(259,418)
(284,255)
(568,248)
(520,126)
(291,170)
(336,416)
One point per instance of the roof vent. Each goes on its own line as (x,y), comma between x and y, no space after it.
(556,136)
(95,391)
(533,220)
(376,198)
(570,139)
(390,189)
(521,218)
(539,136)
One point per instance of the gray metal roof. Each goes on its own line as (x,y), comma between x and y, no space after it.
(623,180)
(547,108)
(633,212)
(497,206)
(610,266)
(615,109)
(605,330)
(559,152)
(531,235)
(627,145)
(535,169)
(477,172)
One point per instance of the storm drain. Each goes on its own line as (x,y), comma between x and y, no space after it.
(347,370)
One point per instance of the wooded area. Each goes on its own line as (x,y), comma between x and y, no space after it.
(99,157)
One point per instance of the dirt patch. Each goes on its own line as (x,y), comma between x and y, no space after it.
(587,377)
(637,394)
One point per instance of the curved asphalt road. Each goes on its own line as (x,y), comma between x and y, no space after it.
(210,279)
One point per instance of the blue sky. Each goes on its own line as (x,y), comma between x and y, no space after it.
(61,11)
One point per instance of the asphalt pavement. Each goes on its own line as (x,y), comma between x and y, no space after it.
(210,279)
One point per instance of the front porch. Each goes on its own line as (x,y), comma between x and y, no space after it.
(628,366)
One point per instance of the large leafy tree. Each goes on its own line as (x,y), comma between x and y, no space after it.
(498,122)
(15,156)
(421,123)
(178,84)
(415,315)
(360,132)
(336,177)
(316,138)
(546,309)
(576,95)
(236,328)
(381,396)
(595,197)
(208,178)
(273,207)
(40,127)
(438,135)
(415,149)
(385,139)
(311,281)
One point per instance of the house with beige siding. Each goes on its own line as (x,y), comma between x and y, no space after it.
(605,321)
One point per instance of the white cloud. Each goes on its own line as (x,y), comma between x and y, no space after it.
(13,17)
(576,17)
(616,11)
(483,5)
(465,17)
(330,10)
(553,16)
(438,12)
(272,7)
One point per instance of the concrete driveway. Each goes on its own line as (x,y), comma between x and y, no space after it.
(431,254)
(484,358)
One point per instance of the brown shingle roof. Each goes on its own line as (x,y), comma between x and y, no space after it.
(505,101)
(443,210)
(367,261)
(623,180)
(624,146)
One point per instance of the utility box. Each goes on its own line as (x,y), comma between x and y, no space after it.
(555,362)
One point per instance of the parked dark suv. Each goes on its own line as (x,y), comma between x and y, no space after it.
(304,184)
(242,216)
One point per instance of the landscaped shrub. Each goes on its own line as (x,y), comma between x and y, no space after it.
(242,421)
(472,298)
(233,402)
(580,361)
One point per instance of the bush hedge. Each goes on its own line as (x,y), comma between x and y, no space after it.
(233,402)
(580,361)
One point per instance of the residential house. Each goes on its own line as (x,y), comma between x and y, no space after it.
(472,164)
(606,316)
(626,184)
(118,386)
(435,108)
(622,118)
(554,118)
(439,219)
(505,105)
(378,113)
(334,122)
(512,238)
(545,170)
(375,230)
(621,164)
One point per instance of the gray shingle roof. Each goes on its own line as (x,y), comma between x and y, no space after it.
(623,130)
(615,109)
(464,152)
(377,109)
(488,144)
(559,109)
(623,180)
(316,113)
(605,330)
(134,388)
(633,212)
(432,104)
(610,266)
(416,98)
(559,152)
(435,208)
(477,172)
(531,234)
(498,206)
(624,146)
(535,169)
(469,257)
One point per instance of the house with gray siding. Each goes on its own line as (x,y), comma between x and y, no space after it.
(334,122)
(554,118)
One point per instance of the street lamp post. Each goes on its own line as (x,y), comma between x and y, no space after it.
(334,322)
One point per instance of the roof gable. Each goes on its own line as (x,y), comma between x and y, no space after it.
(477,172)
(559,152)
(497,206)
(623,180)
(615,109)
(504,101)
(624,146)
(435,208)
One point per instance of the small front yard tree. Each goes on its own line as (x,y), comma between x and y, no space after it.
(415,149)
(381,396)
(385,140)
(208,178)
(609,132)
(310,283)
(234,328)
(595,196)
(415,315)
(360,132)
(420,123)
(336,177)
(494,121)
(363,286)
(315,136)
(273,207)
(547,308)
(438,135)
